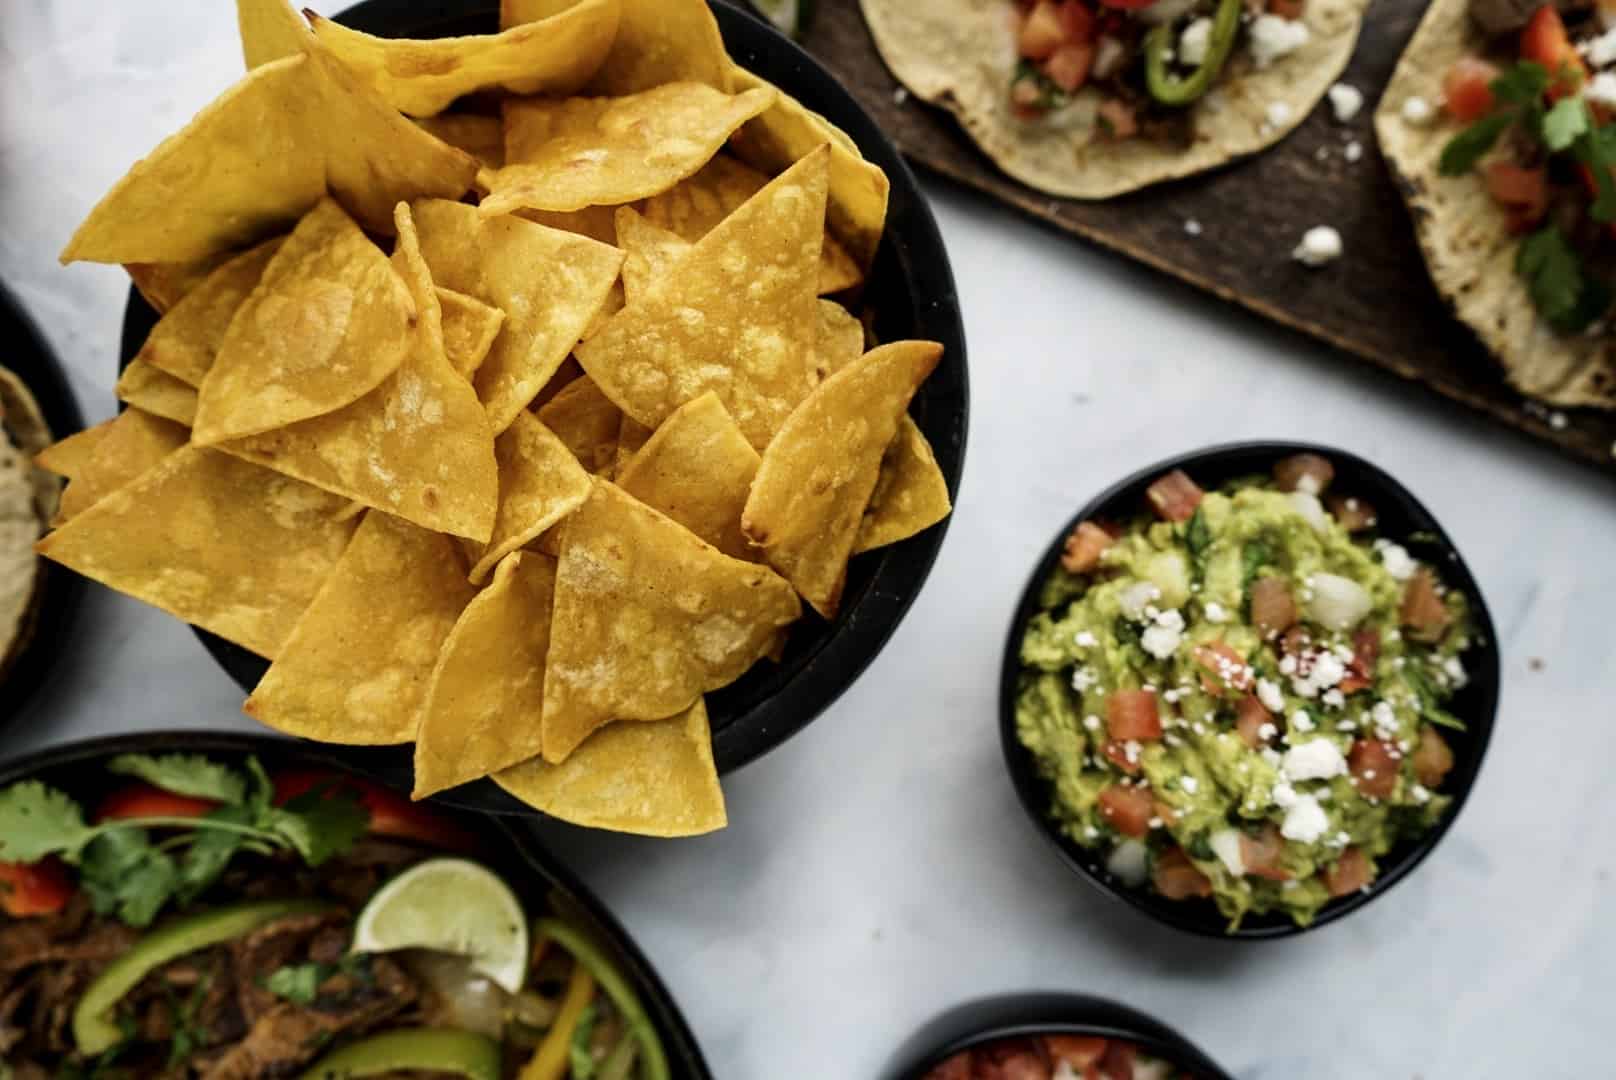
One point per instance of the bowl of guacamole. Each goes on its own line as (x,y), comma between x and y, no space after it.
(1248,689)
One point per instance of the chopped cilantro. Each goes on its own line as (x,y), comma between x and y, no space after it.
(1429,701)
(1198,539)
(579,1054)
(1566,297)
(1125,630)
(1462,152)
(122,872)
(1524,84)
(300,983)
(1596,150)
(1565,122)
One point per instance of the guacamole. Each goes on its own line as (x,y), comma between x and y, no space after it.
(1243,699)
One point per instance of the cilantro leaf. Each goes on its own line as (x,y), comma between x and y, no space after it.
(1563,124)
(210,853)
(122,872)
(188,1035)
(579,1055)
(322,822)
(1596,150)
(297,983)
(1462,152)
(36,821)
(1429,700)
(1198,538)
(1566,298)
(260,790)
(1523,84)
(183,774)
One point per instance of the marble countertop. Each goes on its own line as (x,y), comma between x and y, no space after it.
(878,868)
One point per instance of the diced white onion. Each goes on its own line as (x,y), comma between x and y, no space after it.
(1337,603)
(1225,844)
(1308,505)
(1129,862)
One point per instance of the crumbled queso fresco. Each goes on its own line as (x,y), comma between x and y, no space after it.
(1320,245)
(1345,100)
(1273,37)
(1417,111)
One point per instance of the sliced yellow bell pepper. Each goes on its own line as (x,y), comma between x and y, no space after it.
(549,1062)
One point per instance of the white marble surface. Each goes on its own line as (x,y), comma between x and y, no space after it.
(878,868)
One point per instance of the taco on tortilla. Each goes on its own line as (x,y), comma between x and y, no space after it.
(1094,98)
(28,496)
(1498,124)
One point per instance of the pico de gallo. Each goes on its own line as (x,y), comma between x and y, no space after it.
(1241,698)
(1056,1057)
(1148,60)
(1537,105)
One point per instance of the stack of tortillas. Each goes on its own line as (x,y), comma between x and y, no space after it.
(28,497)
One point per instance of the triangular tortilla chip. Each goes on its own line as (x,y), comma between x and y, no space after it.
(631,435)
(327,322)
(648,617)
(697,203)
(269,29)
(649,251)
(595,222)
(469,329)
(663,41)
(697,469)
(653,779)
(157,392)
(483,137)
(486,694)
(134,441)
(421,77)
(840,340)
(739,318)
(576,152)
(587,421)
(540,482)
(910,494)
(808,500)
(186,339)
(228,178)
(218,542)
(548,283)
(165,284)
(565,375)
(516,12)
(418,446)
(354,670)
(68,457)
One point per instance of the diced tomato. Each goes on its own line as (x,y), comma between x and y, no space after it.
(1250,716)
(1011,1059)
(1286,9)
(1119,121)
(1365,651)
(1117,754)
(1084,548)
(1273,608)
(1522,192)
(145,801)
(1433,758)
(957,1067)
(1261,854)
(1068,66)
(1304,472)
(391,814)
(1078,21)
(1077,1051)
(1175,496)
(1027,97)
(1423,612)
(1127,809)
(1467,89)
(1168,815)
(1127,5)
(1133,714)
(1374,765)
(1223,668)
(1352,683)
(1351,512)
(1545,41)
(1176,878)
(1041,31)
(1351,872)
(1118,1061)
(39,888)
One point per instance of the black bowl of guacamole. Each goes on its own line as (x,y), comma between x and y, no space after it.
(1212,798)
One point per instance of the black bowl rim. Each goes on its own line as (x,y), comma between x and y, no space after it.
(863,627)
(1008,1016)
(61,591)
(680,1042)
(1484,665)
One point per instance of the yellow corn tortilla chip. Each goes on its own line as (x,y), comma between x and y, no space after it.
(486,693)
(158,392)
(595,222)
(230,178)
(697,203)
(910,493)
(808,500)
(631,435)
(540,482)
(327,322)
(483,137)
(578,152)
(653,779)
(563,378)
(548,283)
(165,284)
(269,30)
(421,77)
(186,339)
(218,542)
(469,329)
(355,668)
(648,617)
(615,302)
(663,41)
(418,446)
(739,318)
(840,341)
(697,469)
(516,12)
(134,441)
(649,251)
(68,457)
(587,422)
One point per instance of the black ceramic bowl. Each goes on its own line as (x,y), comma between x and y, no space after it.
(1401,518)
(911,290)
(59,589)
(988,1020)
(537,877)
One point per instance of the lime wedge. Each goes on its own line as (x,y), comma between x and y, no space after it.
(789,15)
(453,906)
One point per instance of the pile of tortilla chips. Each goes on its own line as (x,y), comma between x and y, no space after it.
(508,425)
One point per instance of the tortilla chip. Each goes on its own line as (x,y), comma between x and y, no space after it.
(134,441)
(418,446)
(486,694)
(158,392)
(653,779)
(750,284)
(808,500)
(326,324)
(587,422)
(355,669)
(227,179)
(516,12)
(615,301)
(961,55)
(421,77)
(647,619)
(540,482)
(68,457)
(548,283)
(186,339)
(269,30)
(595,222)
(631,435)
(217,542)
(694,205)
(483,137)
(840,341)
(469,329)
(658,41)
(649,251)
(565,375)
(165,284)
(910,494)
(578,152)
(697,469)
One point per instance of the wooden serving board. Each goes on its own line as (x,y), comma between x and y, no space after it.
(1376,303)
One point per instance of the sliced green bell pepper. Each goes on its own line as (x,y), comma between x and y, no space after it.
(653,1062)
(1171,89)
(463,1053)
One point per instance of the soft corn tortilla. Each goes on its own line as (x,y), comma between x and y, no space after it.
(1468,250)
(961,55)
